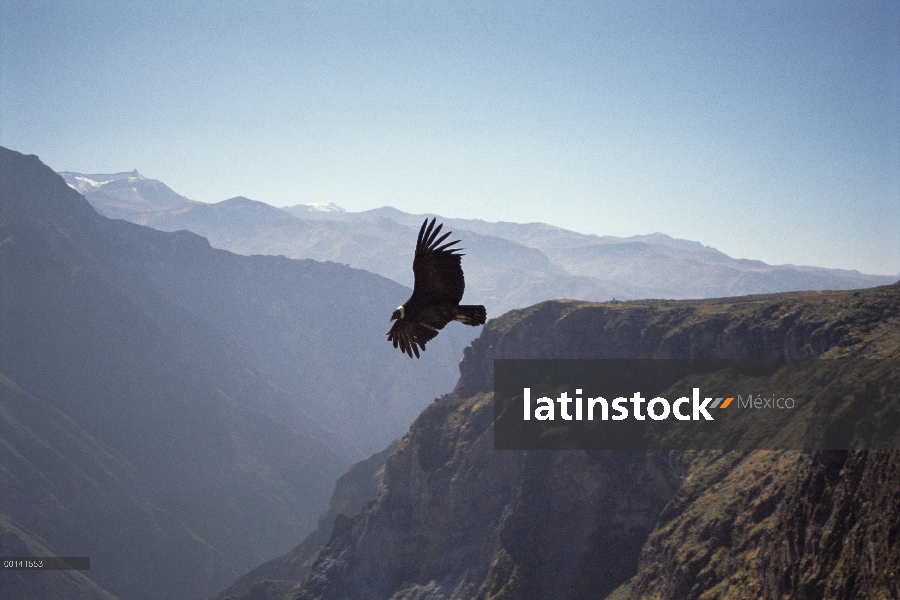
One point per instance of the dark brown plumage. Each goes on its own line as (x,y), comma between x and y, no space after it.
(437,292)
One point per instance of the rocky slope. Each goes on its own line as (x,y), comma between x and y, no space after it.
(457,519)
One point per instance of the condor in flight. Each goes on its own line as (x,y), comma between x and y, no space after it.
(438,289)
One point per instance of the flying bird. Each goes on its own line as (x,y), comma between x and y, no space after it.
(437,292)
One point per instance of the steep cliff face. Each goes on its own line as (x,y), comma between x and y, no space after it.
(457,519)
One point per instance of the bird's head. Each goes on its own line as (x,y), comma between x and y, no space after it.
(398,314)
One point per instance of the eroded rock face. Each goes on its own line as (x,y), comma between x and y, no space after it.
(445,491)
(837,534)
(457,519)
(778,525)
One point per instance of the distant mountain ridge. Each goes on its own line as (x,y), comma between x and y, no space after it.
(508,265)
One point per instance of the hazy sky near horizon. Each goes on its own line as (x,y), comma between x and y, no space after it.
(767,130)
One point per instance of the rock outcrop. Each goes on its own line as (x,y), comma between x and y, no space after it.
(457,519)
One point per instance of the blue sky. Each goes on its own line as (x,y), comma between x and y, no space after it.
(766,130)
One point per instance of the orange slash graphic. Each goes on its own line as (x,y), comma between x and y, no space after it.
(726,403)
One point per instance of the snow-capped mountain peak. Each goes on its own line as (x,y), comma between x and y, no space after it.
(323,207)
(85,183)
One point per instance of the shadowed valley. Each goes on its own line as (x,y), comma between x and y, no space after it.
(179,413)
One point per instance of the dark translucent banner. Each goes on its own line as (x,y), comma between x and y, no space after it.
(46,563)
(697,404)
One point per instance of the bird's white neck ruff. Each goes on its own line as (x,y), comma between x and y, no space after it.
(402,312)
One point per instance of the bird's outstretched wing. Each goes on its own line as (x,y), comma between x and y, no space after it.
(410,336)
(437,268)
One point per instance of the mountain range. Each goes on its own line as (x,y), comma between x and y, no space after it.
(508,265)
(178,408)
(176,412)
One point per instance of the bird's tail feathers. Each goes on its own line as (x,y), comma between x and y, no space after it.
(470,314)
